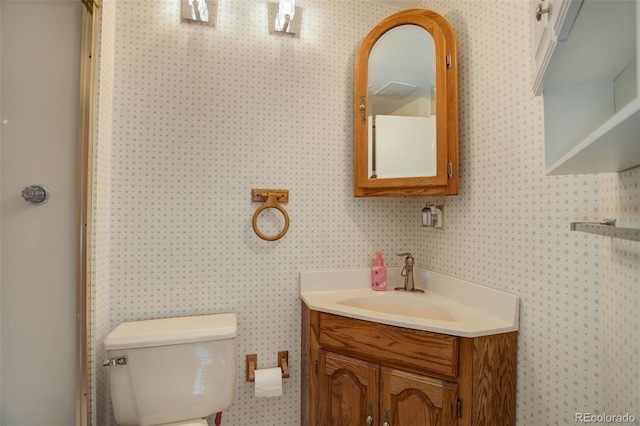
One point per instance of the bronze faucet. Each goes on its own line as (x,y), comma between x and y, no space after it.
(407,273)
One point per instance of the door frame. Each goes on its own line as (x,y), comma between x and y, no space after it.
(84,386)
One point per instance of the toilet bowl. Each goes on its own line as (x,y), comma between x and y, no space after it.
(172,371)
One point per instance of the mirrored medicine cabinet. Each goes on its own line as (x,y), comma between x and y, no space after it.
(406,108)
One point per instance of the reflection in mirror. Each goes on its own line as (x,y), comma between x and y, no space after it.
(402,104)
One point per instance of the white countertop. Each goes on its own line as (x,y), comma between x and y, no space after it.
(473,310)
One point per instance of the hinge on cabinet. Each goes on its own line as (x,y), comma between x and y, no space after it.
(448,60)
(459,408)
(449,170)
(316,366)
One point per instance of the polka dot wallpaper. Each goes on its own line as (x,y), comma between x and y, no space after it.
(578,350)
(192,117)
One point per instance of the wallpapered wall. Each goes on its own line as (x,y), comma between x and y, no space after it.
(509,228)
(196,116)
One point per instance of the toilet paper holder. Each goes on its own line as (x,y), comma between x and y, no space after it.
(252,365)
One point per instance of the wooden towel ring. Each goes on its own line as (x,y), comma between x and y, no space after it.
(270,203)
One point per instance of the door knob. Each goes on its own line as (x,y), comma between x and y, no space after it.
(36,194)
(540,11)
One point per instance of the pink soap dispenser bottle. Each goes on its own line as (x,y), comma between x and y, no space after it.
(379,274)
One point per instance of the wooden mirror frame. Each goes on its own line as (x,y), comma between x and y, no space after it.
(445,182)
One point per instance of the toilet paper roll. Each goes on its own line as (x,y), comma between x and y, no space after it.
(268,382)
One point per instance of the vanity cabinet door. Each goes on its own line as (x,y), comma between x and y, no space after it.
(348,391)
(410,400)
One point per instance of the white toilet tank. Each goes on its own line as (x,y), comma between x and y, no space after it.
(172,369)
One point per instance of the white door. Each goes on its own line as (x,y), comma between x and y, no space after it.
(39,76)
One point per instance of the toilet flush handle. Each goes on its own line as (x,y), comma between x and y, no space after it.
(120,360)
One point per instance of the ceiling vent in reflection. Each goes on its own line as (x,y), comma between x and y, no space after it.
(396,90)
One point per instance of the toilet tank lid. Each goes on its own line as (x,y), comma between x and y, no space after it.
(172,331)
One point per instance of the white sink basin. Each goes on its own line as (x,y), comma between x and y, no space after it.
(412,305)
(449,305)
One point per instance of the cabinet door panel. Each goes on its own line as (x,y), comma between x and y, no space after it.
(412,400)
(348,391)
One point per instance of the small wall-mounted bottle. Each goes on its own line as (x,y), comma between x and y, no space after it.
(432,216)
(379,274)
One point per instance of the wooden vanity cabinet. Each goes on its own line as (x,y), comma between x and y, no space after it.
(363,373)
(357,392)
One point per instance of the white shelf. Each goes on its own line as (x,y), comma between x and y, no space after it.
(612,147)
(590,87)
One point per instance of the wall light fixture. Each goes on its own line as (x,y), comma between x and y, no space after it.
(202,11)
(285,18)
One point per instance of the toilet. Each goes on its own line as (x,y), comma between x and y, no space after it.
(172,371)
